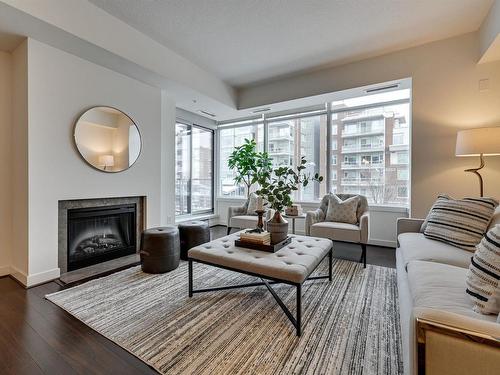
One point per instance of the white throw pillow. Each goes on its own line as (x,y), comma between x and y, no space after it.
(252,204)
(483,277)
(340,211)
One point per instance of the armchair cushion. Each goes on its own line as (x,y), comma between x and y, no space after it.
(342,211)
(318,216)
(336,231)
(243,221)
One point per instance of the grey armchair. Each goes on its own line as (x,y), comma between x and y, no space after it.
(316,225)
(237,217)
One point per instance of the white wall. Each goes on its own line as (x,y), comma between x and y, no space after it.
(446,98)
(5,161)
(19,251)
(167,159)
(61,86)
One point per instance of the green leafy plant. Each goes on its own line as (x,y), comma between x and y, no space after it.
(249,164)
(276,186)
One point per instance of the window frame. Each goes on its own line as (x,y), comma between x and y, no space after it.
(214,133)
(328,109)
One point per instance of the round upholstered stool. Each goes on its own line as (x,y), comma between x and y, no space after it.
(193,233)
(160,249)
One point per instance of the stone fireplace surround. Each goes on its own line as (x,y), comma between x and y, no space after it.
(66,205)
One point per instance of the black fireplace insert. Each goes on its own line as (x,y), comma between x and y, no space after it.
(99,234)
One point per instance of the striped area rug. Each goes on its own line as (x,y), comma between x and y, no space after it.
(350,325)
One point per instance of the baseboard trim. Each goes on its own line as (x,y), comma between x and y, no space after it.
(19,276)
(43,277)
(5,270)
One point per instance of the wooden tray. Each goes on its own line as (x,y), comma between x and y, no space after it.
(268,248)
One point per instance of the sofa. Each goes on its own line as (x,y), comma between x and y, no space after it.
(441,334)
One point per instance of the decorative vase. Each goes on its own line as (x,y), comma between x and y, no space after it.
(278,227)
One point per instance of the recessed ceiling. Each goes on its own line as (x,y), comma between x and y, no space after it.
(248,41)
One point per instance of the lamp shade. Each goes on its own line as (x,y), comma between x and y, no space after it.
(107,160)
(474,142)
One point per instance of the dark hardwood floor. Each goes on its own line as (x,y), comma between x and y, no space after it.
(37,337)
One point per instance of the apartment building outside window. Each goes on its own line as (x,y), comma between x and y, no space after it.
(375,147)
(365,150)
(300,136)
(229,138)
(193,169)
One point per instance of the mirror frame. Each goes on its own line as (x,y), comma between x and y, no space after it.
(75,144)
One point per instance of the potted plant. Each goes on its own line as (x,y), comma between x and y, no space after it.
(276,188)
(249,164)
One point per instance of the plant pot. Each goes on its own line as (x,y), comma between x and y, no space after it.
(278,227)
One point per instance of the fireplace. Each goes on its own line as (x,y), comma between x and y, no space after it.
(99,234)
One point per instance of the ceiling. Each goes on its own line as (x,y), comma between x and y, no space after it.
(244,42)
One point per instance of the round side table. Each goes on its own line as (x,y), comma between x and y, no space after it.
(293,218)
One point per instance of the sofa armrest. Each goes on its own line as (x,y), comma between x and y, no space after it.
(452,343)
(313,217)
(235,211)
(407,225)
(364,226)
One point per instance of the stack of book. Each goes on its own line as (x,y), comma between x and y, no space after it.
(263,238)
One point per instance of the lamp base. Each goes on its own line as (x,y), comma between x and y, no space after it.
(475,171)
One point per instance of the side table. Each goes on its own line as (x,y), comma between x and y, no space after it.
(294,217)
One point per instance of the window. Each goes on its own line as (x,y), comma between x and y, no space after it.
(291,139)
(398,139)
(403,174)
(350,160)
(230,138)
(193,169)
(400,157)
(182,168)
(334,143)
(402,192)
(367,151)
(366,124)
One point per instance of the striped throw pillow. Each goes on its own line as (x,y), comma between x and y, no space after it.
(483,277)
(460,222)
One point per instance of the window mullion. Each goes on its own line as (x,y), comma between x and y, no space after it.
(329,151)
(266,133)
(190,189)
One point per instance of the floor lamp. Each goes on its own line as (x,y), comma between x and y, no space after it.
(478,142)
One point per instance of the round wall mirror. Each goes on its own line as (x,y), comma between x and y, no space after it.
(107,139)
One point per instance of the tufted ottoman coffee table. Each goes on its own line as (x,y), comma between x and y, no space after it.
(291,265)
